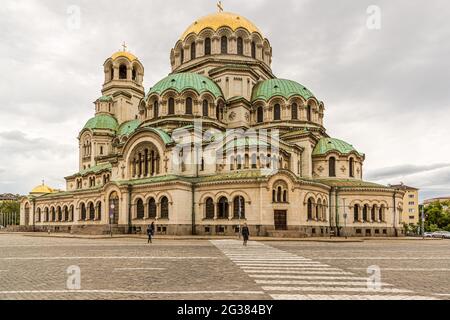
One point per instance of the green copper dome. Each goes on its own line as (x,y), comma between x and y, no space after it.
(102,121)
(184,81)
(326,145)
(268,89)
(105,99)
(128,127)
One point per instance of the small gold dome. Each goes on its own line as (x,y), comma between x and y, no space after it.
(221,19)
(125,54)
(42,189)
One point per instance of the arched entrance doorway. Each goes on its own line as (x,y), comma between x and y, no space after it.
(114,208)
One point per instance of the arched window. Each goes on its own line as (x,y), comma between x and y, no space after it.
(113,207)
(59,214)
(152,208)
(332,167)
(123,72)
(66,214)
(374,214)
(239,162)
(239,207)
(279,194)
(53,215)
(260,115)
(71,213)
(253,50)
(365,213)
(277,112)
(182,54)
(224,45)
(352,167)
(189,105)
(222,208)
(99,211)
(209,209)
(310,209)
(294,111)
(171,106)
(46,216)
(156,109)
(38,216)
(318,209)
(285,196)
(140,209)
(83,211)
(134,74)
(254,161)
(205,108)
(207,46)
(309,113)
(219,112)
(274,196)
(193,51)
(112,73)
(381,214)
(356,212)
(164,208)
(240,46)
(91,211)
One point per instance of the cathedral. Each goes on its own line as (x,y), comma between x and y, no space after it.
(219,142)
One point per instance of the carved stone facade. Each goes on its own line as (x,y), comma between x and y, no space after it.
(143,157)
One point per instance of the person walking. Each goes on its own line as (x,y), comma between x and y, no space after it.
(245,234)
(150,232)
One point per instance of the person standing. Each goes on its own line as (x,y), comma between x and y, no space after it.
(150,232)
(245,234)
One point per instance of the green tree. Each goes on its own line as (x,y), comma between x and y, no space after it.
(437,216)
(11,208)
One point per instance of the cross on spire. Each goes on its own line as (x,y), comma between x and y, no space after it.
(43,182)
(124,46)
(220,6)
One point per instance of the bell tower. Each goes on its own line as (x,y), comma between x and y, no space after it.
(124,75)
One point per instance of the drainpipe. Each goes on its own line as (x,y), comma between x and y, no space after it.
(130,193)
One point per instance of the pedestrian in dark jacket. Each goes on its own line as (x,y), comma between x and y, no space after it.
(150,232)
(245,234)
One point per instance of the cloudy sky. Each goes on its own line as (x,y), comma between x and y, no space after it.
(386,91)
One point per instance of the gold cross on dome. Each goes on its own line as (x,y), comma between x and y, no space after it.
(124,46)
(220,6)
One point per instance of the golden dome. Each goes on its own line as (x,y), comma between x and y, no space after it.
(221,19)
(125,54)
(42,189)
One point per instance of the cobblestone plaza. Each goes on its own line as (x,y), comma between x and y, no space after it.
(129,268)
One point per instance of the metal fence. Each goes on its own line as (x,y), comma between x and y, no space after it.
(9,219)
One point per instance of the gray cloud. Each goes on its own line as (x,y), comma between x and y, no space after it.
(385,91)
(403,170)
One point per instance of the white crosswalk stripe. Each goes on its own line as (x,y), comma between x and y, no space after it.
(286,276)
